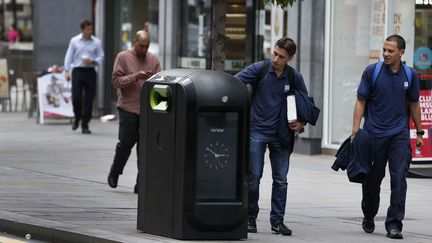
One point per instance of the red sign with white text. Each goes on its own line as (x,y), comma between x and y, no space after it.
(426,121)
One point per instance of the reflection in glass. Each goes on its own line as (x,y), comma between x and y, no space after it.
(195,34)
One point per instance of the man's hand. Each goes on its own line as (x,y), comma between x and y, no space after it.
(143,75)
(419,142)
(67,75)
(88,61)
(353,133)
(296,126)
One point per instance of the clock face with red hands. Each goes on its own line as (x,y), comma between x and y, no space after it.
(217,155)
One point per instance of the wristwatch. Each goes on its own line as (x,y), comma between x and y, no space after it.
(420,132)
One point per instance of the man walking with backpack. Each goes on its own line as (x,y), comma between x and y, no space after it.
(385,90)
(272,81)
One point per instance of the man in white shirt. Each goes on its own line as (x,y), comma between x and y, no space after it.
(83,55)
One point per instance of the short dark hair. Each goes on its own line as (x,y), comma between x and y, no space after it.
(400,42)
(85,23)
(288,45)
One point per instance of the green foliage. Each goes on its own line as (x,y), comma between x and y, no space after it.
(282,3)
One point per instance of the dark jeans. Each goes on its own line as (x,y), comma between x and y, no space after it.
(396,150)
(83,85)
(128,136)
(279,159)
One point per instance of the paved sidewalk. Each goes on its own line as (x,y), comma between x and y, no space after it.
(53,187)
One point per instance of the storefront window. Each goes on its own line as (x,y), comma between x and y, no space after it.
(137,15)
(236,31)
(349,55)
(195,34)
(356,34)
(19,15)
(423,41)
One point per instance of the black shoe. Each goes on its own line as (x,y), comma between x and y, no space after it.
(136,188)
(252,228)
(281,228)
(394,234)
(368,225)
(86,131)
(75,125)
(112,180)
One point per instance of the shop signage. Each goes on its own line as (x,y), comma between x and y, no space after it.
(426,122)
(193,62)
(55,97)
(235,65)
(377,28)
(424,2)
(423,58)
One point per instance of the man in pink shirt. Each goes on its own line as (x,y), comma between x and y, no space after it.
(132,68)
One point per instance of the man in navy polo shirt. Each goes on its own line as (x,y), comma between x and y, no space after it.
(386,118)
(270,94)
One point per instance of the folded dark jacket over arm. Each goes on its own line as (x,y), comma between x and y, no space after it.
(356,156)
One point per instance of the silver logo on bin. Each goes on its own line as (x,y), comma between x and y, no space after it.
(224,99)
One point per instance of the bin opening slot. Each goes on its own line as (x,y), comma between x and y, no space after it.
(159,98)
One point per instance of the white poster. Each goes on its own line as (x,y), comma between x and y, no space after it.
(55,97)
(377,29)
(4,79)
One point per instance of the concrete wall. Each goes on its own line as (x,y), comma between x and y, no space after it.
(54,23)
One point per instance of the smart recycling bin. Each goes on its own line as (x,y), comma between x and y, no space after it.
(193,155)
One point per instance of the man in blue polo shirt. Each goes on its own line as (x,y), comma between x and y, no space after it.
(270,95)
(386,118)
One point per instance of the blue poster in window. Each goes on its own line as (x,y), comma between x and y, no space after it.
(422,58)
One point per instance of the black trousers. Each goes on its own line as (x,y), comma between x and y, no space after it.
(83,88)
(128,136)
(396,150)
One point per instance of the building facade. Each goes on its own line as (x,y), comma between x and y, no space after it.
(336,39)
(355,31)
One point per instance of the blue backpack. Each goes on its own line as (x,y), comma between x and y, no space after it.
(377,70)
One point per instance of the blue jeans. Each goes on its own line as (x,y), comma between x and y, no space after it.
(396,150)
(279,159)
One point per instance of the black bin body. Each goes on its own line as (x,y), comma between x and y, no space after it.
(194,151)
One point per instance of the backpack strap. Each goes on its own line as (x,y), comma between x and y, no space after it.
(291,75)
(377,70)
(264,71)
(408,73)
(252,88)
